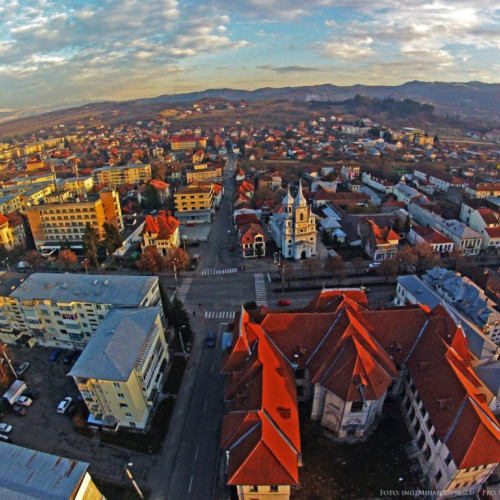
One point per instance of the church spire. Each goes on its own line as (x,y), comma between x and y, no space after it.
(288,201)
(300,201)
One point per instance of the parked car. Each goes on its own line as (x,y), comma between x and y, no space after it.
(210,340)
(4,438)
(283,302)
(54,355)
(64,404)
(22,265)
(22,368)
(31,393)
(68,357)
(5,428)
(19,410)
(229,232)
(372,267)
(24,401)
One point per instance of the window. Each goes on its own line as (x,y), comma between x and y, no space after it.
(439,475)
(273,488)
(254,489)
(116,384)
(120,395)
(447,460)
(128,415)
(123,405)
(356,406)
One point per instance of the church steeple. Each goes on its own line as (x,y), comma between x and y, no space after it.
(288,201)
(300,201)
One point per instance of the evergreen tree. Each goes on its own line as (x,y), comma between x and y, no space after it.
(112,238)
(407,224)
(91,243)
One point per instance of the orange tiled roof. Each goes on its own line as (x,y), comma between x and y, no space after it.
(383,235)
(163,225)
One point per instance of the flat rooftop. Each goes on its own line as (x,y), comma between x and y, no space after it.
(120,290)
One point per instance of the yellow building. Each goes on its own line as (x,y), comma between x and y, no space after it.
(204,172)
(122,387)
(10,203)
(134,173)
(178,142)
(80,185)
(11,231)
(52,223)
(194,202)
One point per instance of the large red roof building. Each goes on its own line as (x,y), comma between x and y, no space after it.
(161,231)
(344,359)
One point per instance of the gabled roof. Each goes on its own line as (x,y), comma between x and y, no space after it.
(383,235)
(248,232)
(163,225)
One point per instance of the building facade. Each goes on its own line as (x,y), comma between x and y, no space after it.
(294,229)
(135,173)
(195,202)
(161,232)
(121,387)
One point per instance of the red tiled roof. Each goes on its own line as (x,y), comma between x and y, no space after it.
(493,232)
(488,215)
(248,232)
(163,225)
(242,219)
(431,235)
(382,235)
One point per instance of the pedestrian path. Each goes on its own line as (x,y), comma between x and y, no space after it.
(260,289)
(229,270)
(220,314)
(184,289)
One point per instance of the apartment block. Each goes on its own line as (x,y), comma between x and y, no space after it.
(52,223)
(134,173)
(178,142)
(204,172)
(65,310)
(195,202)
(120,372)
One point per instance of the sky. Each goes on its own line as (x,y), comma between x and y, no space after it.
(58,52)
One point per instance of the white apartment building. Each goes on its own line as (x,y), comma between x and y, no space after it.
(65,310)
(121,371)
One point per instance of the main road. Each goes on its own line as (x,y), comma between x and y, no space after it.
(187,467)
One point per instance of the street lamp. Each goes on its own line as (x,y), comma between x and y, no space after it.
(6,264)
(181,339)
(136,486)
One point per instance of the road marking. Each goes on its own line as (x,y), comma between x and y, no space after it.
(184,289)
(212,369)
(260,289)
(268,278)
(190,484)
(196,454)
(211,272)
(219,314)
(205,407)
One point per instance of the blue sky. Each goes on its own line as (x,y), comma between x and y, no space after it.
(55,52)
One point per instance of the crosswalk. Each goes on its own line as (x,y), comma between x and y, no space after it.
(184,289)
(209,272)
(220,314)
(260,289)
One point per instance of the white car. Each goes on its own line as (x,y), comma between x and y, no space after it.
(22,265)
(5,428)
(24,401)
(22,367)
(64,404)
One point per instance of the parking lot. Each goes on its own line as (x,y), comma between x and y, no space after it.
(43,429)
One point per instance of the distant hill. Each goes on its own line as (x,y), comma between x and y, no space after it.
(472,101)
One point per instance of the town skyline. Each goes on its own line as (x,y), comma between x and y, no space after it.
(52,55)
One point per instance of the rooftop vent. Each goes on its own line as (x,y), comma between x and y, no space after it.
(64,285)
(95,282)
(106,282)
(423,365)
(443,404)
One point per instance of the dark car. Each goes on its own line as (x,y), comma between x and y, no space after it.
(5,438)
(210,340)
(19,410)
(31,393)
(54,355)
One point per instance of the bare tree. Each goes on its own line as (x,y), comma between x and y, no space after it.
(335,266)
(176,260)
(358,264)
(150,261)
(33,258)
(312,266)
(67,259)
(388,267)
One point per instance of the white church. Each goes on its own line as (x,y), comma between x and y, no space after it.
(294,229)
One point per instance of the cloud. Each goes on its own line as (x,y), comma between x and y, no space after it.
(288,69)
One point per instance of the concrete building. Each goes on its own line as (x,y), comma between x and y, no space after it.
(466,240)
(485,221)
(178,142)
(438,241)
(31,475)
(52,223)
(11,231)
(66,309)
(294,229)
(379,243)
(120,372)
(134,173)
(380,185)
(195,202)
(204,172)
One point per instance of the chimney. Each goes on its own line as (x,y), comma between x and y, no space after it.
(443,404)
(423,365)
(161,213)
(481,397)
